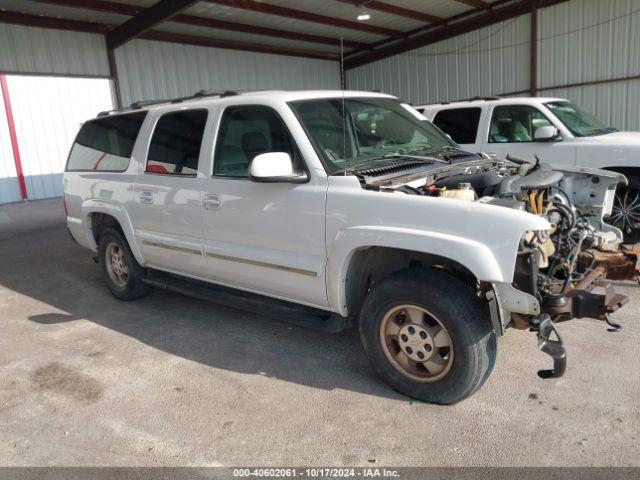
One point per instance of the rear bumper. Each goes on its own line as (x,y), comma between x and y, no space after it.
(76,229)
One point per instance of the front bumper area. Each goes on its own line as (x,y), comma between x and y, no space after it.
(593,297)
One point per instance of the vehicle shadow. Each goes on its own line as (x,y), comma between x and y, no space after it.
(42,262)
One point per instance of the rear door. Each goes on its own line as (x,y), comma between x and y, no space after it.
(511,130)
(265,237)
(166,212)
(461,124)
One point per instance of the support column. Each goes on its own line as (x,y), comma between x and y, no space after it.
(113,74)
(533,82)
(13,136)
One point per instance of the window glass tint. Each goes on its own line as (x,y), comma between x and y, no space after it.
(248,131)
(106,144)
(175,144)
(460,123)
(515,123)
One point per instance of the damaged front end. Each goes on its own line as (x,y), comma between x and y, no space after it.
(561,273)
(569,269)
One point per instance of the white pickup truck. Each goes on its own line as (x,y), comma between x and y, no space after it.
(343,208)
(555,130)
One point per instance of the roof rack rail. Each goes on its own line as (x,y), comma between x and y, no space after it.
(148,103)
(472,99)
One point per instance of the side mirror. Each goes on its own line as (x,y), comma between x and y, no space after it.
(548,133)
(275,167)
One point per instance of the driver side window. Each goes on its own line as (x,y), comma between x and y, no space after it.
(245,132)
(515,124)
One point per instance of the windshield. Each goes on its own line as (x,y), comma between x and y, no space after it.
(372,130)
(580,122)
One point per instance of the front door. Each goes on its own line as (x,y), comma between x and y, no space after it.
(166,211)
(512,131)
(265,237)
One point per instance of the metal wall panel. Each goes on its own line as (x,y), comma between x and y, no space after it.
(151,70)
(41,50)
(586,40)
(487,61)
(48,112)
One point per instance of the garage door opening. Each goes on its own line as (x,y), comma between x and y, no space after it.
(39,118)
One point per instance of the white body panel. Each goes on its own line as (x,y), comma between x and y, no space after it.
(286,240)
(619,149)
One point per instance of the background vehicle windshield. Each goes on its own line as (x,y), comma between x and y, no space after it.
(369,129)
(580,122)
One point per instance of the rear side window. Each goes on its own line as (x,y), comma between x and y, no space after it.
(460,123)
(176,141)
(105,144)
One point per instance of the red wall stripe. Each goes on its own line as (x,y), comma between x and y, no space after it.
(12,134)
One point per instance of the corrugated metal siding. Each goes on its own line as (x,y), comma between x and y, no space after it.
(487,61)
(151,70)
(586,40)
(9,187)
(48,112)
(40,50)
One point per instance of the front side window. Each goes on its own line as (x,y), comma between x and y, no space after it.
(105,144)
(580,122)
(362,131)
(515,123)
(460,123)
(245,132)
(176,141)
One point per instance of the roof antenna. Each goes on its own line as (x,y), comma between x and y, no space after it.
(344,118)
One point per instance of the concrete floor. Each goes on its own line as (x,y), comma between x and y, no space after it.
(168,380)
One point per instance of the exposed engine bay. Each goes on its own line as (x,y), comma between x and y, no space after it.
(564,268)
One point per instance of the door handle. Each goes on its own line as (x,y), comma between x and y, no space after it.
(146,197)
(492,154)
(211,202)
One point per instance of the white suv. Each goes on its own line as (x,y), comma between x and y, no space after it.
(555,130)
(335,208)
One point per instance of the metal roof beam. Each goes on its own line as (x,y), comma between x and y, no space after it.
(306,16)
(476,4)
(475,22)
(395,10)
(201,21)
(18,18)
(145,20)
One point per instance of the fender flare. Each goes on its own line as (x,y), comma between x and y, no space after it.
(473,255)
(115,210)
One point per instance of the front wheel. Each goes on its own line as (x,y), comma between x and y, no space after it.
(428,336)
(626,211)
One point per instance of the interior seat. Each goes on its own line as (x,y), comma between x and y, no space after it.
(253,144)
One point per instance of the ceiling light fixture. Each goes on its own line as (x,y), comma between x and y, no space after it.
(363,16)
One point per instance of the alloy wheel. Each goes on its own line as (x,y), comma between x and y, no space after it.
(416,343)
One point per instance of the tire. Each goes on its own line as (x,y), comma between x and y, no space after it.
(626,211)
(124,276)
(431,301)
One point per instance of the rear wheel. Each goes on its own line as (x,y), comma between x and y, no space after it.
(121,271)
(428,336)
(626,211)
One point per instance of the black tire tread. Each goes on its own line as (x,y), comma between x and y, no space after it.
(135,287)
(436,287)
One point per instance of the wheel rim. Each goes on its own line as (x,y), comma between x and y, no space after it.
(416,343)
(626,211)
(117,267)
